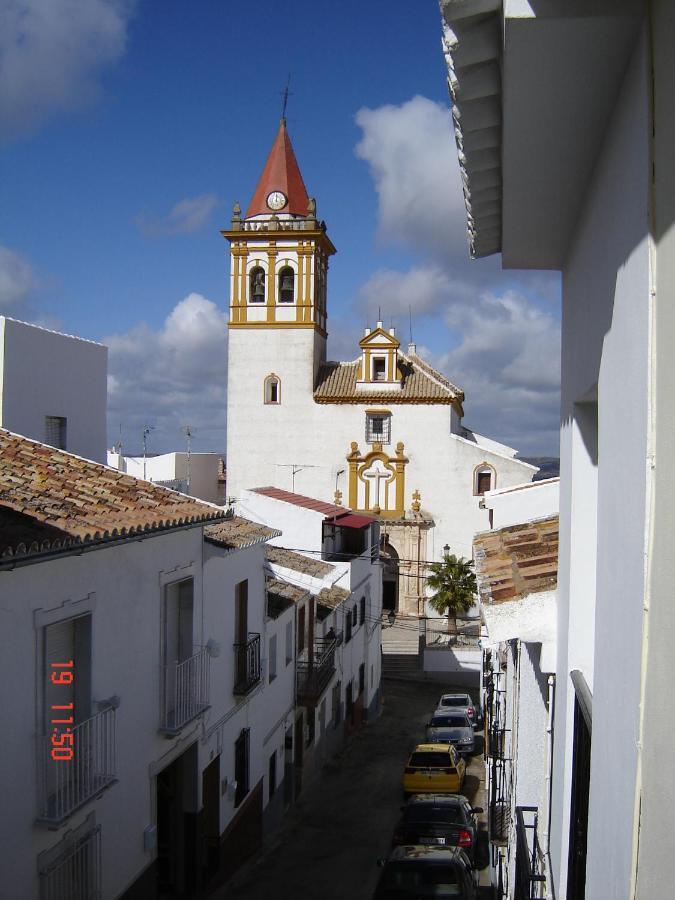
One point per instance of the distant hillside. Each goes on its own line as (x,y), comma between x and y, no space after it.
(549,466)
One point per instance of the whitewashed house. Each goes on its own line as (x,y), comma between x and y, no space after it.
(196,474)
(566,133)
(146,679)
(53,388)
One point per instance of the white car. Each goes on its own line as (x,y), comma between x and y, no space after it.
(460,703)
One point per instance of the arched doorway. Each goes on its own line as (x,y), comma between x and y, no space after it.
(389,556)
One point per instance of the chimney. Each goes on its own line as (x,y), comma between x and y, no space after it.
(392,331)
(366,332)
(412,348)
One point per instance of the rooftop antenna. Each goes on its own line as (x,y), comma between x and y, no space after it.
(379,313)
(146,432)
(295,468)
(410,317)
(286,93)
(188,431)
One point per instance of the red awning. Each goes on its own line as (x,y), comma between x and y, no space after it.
(348,520)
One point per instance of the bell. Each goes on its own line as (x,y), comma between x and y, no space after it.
(287,284)
(258,289)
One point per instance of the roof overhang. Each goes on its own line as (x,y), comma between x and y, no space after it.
(533,85)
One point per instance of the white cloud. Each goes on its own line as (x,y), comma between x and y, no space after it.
(185,217)
(51,52)
(424,288)
(171,377)
(17,280)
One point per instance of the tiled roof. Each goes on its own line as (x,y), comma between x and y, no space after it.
(82,500)
(281,595)
(281,173)
(517,561)
(236,533)
(299,563)
(332,597)
(328,509)
(336,383)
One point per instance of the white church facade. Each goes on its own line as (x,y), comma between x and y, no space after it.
(381,433)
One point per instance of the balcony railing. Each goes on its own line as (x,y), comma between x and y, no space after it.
(314,676)
(530,882)
(66,785)
(246,664)
(185,692)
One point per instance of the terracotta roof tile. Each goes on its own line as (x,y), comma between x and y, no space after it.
(336,383)
(280,588)
(328,509)
(84,500)
(288,559)
(236,533)
(281,173)
(516,561)
(332,597)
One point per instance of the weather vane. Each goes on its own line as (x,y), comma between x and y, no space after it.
(286,93)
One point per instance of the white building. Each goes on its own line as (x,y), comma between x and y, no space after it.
(383,431)
(566,130)
(53,388)
(196,474)
(147,679)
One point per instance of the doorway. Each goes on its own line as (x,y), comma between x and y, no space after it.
(581,776)
(390,559)
(211,817)
(176,788)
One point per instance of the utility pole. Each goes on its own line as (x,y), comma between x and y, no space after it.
(188,431)
(146,432)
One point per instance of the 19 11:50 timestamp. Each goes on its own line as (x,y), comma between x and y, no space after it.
(62,739)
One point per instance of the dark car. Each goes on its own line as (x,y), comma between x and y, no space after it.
(461,703)
(454,727)
(414,871)
(439,820)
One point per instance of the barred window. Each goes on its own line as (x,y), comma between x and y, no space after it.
(55,431)
(241,765)
(378,428)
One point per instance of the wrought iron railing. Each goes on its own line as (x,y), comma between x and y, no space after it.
(75,874)
(185,691)
(530,880)
(247,664)
(67,784)
(314,675)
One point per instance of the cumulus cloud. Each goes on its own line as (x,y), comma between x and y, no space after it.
(185,217)
(17,281)
(169,378)
(51,53)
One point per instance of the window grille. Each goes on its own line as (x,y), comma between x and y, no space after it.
(378,429)
(55,431)
(72,869)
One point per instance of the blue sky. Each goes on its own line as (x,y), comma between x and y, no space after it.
(129,129)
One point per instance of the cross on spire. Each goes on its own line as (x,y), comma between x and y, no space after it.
(286,93)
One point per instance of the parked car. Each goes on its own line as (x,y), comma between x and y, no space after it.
(451,727)
(434,769)
(442,820)
(415,871)
(463,703)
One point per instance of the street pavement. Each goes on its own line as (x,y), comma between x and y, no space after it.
(328,845)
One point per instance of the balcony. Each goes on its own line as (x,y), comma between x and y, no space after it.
(530,882)
(185,692)
(246,665)
(66,785)
(313,677)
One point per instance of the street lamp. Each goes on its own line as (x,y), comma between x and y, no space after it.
(446,549)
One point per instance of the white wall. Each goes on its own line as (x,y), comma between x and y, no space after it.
(174,467)
(523,503)
(605,343)
(44,373)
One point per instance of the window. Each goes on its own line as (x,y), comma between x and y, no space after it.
(272,389)
(55,431)
(286,285)
(273,658)
(349,703)
(301,630)
(379,368)
(289,643)
(362,678)
(484,479)
(241,765)
(355,615)
(378,428)
(257,285)
(348,627)
(273,774)
(336,704)
(362,610)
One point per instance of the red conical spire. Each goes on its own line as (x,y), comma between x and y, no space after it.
(281,174)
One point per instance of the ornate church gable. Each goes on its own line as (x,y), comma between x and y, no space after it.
(377,481)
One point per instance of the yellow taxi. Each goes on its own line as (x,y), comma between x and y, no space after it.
(434,769)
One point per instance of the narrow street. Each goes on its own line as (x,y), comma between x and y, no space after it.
(331,839)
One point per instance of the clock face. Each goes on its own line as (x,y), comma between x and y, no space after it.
(276,200)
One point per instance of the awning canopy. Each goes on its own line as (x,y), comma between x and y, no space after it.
(349,520)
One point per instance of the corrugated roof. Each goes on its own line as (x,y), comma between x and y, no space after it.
(518,560)
(336,383)
(328,509)
(236,533)
(299,563)
(83,500)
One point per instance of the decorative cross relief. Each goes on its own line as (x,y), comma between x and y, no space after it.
(377,475)
(377,481)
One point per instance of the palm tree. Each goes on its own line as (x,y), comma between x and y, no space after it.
(454,585)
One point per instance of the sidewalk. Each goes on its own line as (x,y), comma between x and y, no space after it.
(331,839)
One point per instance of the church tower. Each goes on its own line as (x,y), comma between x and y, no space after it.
(277,323)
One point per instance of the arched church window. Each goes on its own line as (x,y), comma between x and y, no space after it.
(286,285)
(484,479)
(257,285)
(272,389)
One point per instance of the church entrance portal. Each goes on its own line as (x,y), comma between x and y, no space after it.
(389,557)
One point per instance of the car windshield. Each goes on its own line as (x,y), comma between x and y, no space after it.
(449,722)
(425,760)
(454,701)
(425,812)
(413,876)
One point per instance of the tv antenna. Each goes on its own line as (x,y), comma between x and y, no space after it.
(188,431)
(146,432)
(295,468)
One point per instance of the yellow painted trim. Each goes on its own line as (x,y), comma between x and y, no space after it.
(394,343)
(300,298)
(378,412)
(313,325)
